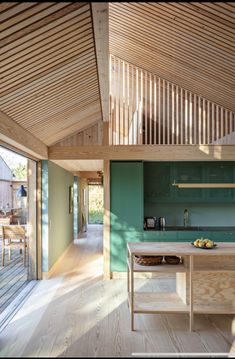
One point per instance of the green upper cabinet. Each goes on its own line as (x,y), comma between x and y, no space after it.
(126,209)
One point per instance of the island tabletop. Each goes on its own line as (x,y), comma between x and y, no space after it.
(174,248)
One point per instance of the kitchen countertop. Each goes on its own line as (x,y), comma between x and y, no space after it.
(192,228)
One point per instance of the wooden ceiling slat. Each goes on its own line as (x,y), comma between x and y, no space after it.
(14,10)
(51,68)
(227,8)
(33,22)
(184,25)
(26,12)
(4,6)
(61,106)
(61,92)
(64,9)
(77,121)
(46,43)
(182,53)
(53,79)
(171,29)
(206,8)
(49,55)
(209,21)
(219,36)
(47,31)
(168,60)
(51,126)
(35,95)
(56,112)
(72,89)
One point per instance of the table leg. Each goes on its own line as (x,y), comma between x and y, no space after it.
(128,280)
(132,294)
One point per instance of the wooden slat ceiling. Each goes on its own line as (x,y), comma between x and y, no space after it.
(189,44)
(48,67)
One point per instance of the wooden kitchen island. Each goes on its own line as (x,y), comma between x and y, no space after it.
(205,280)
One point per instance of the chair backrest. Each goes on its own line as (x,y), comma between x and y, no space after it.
(13,232)
(3,221)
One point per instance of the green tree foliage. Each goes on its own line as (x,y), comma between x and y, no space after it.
(96,204)
(20,172)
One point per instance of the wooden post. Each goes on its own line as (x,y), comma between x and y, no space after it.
(106,230)
(39,220)
(32,220)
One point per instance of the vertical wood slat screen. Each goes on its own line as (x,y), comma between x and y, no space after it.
(146,109)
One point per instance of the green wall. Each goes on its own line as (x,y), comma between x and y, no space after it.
(76,209)
(57,222)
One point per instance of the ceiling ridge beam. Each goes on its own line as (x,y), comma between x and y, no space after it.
(100,20)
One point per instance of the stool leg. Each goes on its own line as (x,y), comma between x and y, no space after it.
(9,250)
(24,253)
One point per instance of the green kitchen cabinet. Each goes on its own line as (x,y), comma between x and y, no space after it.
(126,209)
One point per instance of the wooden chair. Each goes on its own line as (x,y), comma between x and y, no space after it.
(13,234)
(4,221)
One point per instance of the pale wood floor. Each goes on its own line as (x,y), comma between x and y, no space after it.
(77,314)
(13,277)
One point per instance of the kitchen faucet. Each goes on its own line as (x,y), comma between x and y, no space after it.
(185,217)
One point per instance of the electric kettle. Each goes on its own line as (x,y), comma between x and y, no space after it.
(161,222)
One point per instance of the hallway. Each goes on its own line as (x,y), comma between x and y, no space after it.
(77,314)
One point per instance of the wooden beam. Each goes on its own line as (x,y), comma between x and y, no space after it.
(13,134)
(87,174)
(39,220)
(146,152)
(101,35)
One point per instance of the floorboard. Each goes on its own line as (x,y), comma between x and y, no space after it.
(13,277)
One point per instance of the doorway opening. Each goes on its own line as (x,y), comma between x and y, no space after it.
(95,203)
(16,212)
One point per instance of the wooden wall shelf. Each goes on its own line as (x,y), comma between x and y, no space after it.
(204,185)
